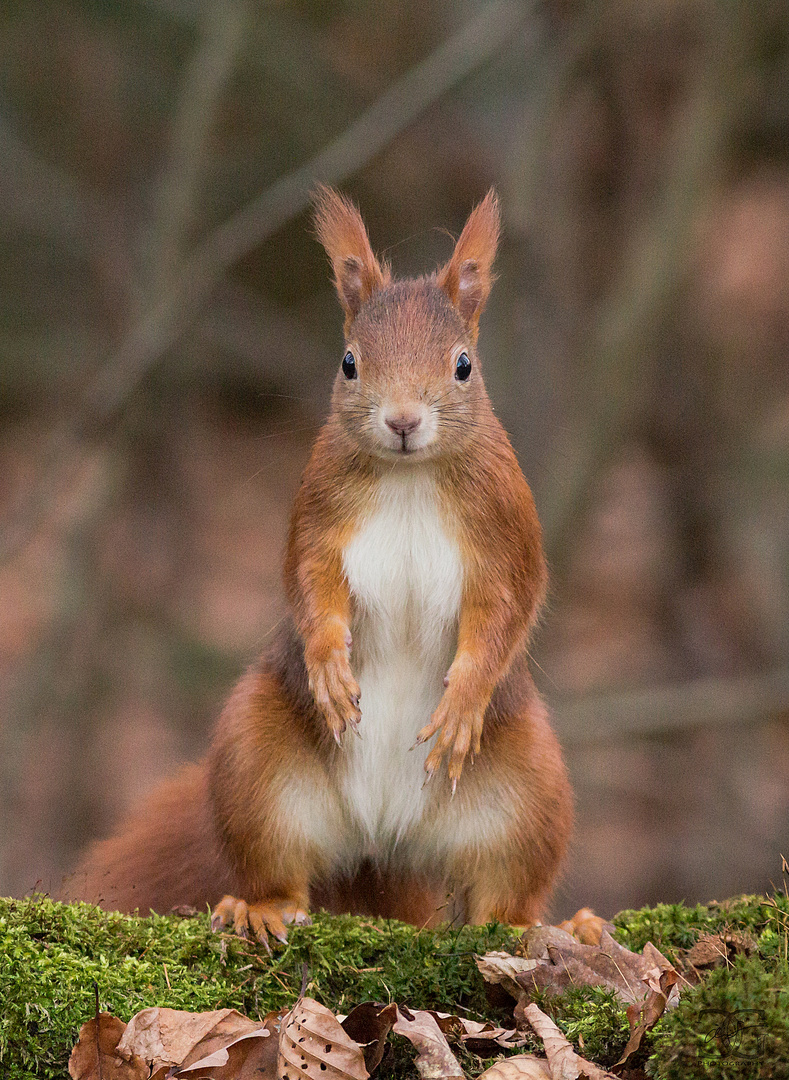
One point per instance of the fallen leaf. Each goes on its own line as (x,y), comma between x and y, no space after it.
(253,1055)
(629,975)
(642,1016)
(563,1062)
(448,1023)
(164,1037)
(480,1037)
(225,1033)
(314,1044)
(712,950)
(435,1060)
(535,941)
(368,1025)
(647,983)
(92,1058)
(501,969)
(522,1067)
(521,1023)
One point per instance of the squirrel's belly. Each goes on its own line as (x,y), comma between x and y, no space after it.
(406,579)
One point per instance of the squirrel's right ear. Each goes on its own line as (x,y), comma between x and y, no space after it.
(357,272)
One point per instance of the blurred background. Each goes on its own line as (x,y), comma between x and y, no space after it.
(169,336)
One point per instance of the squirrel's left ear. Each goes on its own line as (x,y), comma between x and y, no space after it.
(357,272)
(467,277)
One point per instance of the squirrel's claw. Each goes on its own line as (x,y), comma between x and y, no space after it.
(258,920)
(427,732)
(336,692)
(458,734)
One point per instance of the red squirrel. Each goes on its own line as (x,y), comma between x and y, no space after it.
(414,572)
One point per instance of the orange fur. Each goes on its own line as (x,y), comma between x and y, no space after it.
(268,815)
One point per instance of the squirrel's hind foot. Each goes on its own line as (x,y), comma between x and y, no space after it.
(260,919)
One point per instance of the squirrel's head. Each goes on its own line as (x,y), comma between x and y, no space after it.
(409,385)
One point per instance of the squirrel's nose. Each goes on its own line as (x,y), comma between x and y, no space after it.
(403,424)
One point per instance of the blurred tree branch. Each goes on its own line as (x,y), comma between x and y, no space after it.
(157,329)
(208,72)
(654,264)
(659,710)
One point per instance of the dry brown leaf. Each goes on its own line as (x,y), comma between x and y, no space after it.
(645,982)
(642,1016)
(224,1034)
(448,1023)
(314,1044)
(501,969)
(535,941)
(485,1039)
(368,1025)
(610,963)
(629,975)
(435,1061)
(522,1067)
(165,1037)
(521,1023)
(480,1037)
(90,1060)
(249,1056)
(563,1062)
(475,1031)
(712,950)
(253,1054)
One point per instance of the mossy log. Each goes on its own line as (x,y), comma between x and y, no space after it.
(54,956)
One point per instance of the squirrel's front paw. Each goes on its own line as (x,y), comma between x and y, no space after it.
(336,693)
(459,731)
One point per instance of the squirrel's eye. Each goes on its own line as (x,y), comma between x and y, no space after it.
(462,367)
(349,366)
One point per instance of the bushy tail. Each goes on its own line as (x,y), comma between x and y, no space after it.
(166,854)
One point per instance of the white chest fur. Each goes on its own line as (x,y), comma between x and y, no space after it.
(406,577)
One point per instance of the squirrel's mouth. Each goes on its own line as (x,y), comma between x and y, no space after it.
(403,452)
(405,447)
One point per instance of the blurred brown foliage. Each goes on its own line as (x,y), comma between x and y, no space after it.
(168,337)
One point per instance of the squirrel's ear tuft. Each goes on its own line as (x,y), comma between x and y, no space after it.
(357,272)
(467,277)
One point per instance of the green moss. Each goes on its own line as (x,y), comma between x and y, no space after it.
(734,1024)
(672,927)
(593,1019)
